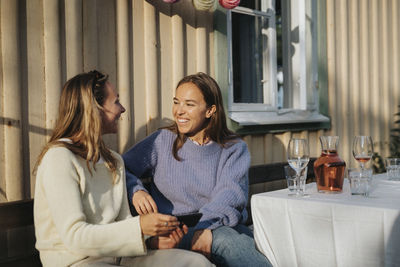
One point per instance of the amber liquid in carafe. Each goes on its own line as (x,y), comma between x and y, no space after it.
(329,171)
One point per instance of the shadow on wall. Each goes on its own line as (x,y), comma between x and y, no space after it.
(152,125)
(264,149)
(23,129)
(143,131)
(32,128)
(2,194)
(279,148)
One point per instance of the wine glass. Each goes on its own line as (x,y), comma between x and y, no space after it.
(298,156)
(363,149)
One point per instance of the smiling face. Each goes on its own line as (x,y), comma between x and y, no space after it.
(112,110)
(191,112)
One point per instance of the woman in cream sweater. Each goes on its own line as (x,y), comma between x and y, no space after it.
(81,212)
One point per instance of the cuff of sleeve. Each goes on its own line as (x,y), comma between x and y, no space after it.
(130,239)
(138,188)
(144,237)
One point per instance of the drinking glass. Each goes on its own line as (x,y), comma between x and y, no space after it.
(363,149)
(298,156)
(360,181)
(393,168)
(291,180)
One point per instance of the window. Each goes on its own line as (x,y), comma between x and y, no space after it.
(273,74)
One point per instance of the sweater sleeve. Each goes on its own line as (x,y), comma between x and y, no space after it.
(230,194)
(124,212)
(139,163)
(61,186)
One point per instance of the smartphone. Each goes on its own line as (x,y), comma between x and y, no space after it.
(190,219)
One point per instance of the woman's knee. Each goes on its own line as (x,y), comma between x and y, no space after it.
(224,236)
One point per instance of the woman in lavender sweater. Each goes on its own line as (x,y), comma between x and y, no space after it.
(198,165)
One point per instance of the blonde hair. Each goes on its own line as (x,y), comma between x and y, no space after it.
(79,119)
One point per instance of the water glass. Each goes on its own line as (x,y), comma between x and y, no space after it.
(296,187)
(298,155)
(393,168)
(360,181)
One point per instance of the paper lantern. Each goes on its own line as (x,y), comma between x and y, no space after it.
(229,4)
(203,5)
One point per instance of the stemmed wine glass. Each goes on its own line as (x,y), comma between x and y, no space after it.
(298,156)
(363,149)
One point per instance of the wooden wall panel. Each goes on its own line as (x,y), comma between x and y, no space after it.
(73,36)
(363,71)
(146,47)
(139,61)
(90,34)
(13,184)
(124,71)
(36,91)
(166,58)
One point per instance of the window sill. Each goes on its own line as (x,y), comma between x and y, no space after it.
(271,118)
(271,122)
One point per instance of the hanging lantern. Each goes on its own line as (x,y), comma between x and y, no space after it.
(229,4)
(203,5)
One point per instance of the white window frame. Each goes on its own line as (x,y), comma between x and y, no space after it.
(301,70)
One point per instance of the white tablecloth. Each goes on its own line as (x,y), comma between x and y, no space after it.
(330,229)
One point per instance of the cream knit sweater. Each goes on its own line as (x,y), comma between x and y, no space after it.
(79,215)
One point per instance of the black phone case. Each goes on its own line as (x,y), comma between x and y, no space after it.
(189,219)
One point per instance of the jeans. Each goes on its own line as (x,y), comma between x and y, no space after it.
(231,246)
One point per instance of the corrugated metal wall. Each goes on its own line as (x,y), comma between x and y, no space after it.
(147,46)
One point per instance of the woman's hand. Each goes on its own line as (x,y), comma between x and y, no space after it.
(158,224)
(168,241)
(202,241)
(144,203)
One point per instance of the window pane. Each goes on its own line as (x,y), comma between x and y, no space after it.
(247,53)
(279,55)
(252,4)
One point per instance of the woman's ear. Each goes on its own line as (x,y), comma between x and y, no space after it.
(210,111)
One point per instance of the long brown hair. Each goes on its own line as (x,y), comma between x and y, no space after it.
(216,128)
(79,119)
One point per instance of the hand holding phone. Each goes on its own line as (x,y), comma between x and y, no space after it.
(190,219)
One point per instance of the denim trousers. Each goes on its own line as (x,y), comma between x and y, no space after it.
(231,246)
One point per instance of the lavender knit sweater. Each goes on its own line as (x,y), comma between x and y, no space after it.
(210,179)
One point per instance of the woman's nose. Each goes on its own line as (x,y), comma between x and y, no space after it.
(122,109)
(180,109)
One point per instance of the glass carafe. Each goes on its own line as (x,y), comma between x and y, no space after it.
(329,168)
